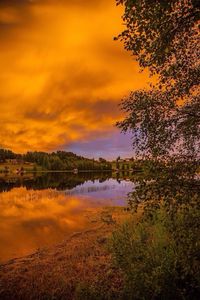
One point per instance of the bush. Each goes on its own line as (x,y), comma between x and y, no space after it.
(160,256)
(85,291)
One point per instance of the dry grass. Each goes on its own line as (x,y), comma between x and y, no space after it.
(57,272)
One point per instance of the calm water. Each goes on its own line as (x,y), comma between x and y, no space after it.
(38,211)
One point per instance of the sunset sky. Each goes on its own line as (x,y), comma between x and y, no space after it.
(62,77)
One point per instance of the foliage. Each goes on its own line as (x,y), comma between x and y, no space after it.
(160,255)
(6,154)
(159,126)
(172,184)
(88,292)
(165,120)
(59,160)
(164,37)
(160,258)
(165,128)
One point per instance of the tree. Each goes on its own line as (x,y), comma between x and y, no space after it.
(165,125)
(46,162)
(159,126)
(56,163)
(6,154)
(163,35)
(102,160)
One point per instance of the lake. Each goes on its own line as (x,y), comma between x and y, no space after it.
(39,211)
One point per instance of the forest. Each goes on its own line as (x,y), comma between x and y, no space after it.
(60,160)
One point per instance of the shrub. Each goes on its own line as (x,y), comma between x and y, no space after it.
(160,256)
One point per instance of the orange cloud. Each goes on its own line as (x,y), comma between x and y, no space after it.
(62,75)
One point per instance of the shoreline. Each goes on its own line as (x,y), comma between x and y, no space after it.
(57,271)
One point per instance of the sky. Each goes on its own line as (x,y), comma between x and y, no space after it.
(62,77)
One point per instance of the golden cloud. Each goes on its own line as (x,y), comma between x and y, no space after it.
(62,75)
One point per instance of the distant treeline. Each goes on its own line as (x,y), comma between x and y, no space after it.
(59,160)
